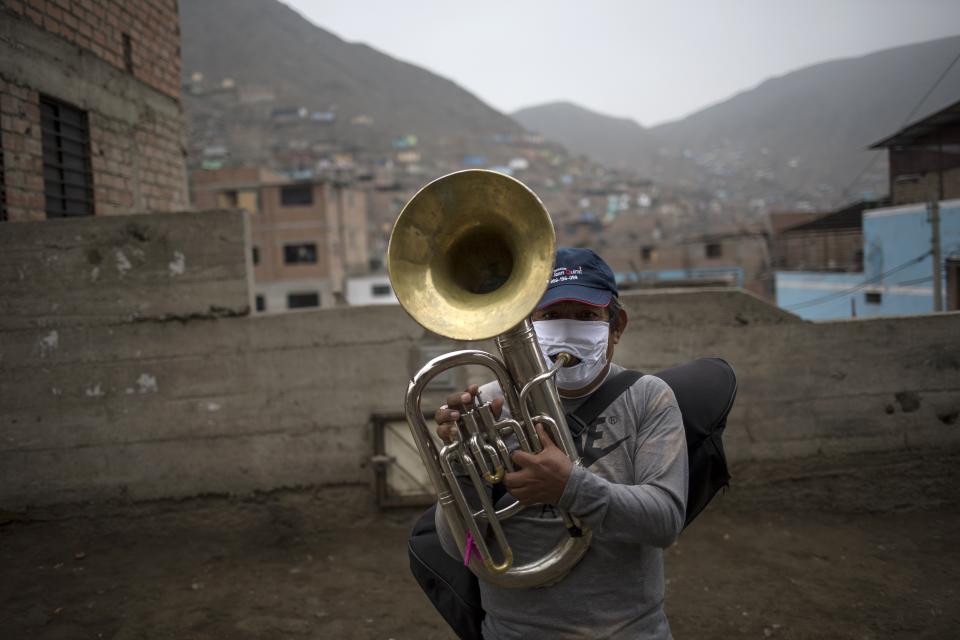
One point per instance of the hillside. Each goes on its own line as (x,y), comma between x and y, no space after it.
(619,141)
(274,60)
(797,137)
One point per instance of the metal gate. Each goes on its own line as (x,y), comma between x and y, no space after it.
(401,479)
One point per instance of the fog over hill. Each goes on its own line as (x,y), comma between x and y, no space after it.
(799,136)
(619,141)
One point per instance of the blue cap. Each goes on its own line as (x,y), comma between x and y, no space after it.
(582,276)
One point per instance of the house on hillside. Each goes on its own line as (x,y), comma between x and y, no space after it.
(898,246)
(308,237)
(730,258)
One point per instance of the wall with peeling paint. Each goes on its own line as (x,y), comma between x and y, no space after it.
(152,381)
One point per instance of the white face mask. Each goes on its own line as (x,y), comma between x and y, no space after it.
(585,340)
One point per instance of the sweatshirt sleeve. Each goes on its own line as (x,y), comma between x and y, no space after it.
(651,510)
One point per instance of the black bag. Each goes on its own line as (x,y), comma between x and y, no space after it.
(449,585)
(705,390)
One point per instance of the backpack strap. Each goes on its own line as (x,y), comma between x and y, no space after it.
(599,400)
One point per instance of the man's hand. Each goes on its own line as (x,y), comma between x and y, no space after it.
(542,476)
(447,415)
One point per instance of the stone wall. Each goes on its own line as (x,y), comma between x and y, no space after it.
(159,396)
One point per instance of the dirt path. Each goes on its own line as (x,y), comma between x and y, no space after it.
(855,547)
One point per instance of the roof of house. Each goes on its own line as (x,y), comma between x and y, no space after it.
(849,217)
(921,128)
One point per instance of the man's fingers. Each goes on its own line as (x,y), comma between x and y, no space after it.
(515,480)
(496,406)
(521,458)
(445,414)
(464,397)
(545,438)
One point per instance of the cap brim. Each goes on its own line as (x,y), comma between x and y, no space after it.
(575,293)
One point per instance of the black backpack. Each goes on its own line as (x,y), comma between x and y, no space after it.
(705,390)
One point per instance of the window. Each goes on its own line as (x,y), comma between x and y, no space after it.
(646,253)
(714,250)
(227,199)
(256,255)
(261,303)
(249,199)
(300,253)
(380,290)
(296,195)
(873,297)
(302,300)
(67,179)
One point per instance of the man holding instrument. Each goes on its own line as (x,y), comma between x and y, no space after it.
(630,488)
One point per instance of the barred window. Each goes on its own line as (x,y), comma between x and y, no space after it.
(67,178)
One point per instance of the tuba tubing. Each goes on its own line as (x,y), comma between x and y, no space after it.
(460,516)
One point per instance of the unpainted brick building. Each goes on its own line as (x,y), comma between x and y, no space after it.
(90,116)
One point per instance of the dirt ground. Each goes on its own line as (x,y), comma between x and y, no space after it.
(844,547)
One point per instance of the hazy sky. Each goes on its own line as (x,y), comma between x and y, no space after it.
(652,61)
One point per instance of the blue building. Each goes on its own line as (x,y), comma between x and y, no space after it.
(897,257)
(897,276)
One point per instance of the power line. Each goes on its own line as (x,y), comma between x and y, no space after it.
(910,283)
(906,121)
(857,287)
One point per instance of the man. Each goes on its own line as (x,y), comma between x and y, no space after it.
(630,490)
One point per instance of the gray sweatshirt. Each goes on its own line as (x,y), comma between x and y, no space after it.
(631,491)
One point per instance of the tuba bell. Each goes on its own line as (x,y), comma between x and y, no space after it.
(469,257)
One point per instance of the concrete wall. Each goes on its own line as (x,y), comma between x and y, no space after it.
(109,271)
(95,407)
(809,388)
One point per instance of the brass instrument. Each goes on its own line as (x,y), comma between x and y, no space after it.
(469,258)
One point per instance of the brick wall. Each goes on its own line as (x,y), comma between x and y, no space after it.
(22,151)
(99,26)
(136,123)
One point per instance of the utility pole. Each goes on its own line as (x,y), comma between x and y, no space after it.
(935,252)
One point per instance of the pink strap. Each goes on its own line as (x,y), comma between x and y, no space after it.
(470,546)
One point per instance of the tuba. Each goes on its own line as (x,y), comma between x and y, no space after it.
(469,257)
